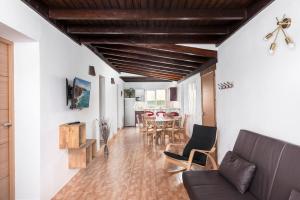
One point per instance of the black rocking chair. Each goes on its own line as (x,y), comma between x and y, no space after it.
(197,151)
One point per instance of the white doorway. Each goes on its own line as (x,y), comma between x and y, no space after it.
(101,97)
(120,106)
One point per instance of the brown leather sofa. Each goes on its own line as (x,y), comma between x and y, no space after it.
(277,172)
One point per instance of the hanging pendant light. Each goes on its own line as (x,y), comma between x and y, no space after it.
(273,48)
(281,26)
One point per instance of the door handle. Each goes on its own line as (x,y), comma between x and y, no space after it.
(6,125)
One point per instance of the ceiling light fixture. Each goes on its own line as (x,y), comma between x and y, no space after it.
(281,26)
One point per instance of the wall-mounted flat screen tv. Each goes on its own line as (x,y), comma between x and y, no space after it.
(81,93)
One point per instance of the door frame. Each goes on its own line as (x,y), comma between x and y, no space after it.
(11,131)
(207,71)
(211,69)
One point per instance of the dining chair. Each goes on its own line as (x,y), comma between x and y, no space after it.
(149,113)
(161,113)
(152,130)
(198,151)
(177,130)
(174,114)
(143,117)
(142,128)
(170,129)
(182,127)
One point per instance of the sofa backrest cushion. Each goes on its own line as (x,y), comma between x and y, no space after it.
(245,143)
(265,154)
(288,174)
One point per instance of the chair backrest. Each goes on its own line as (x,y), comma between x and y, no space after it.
(174,114)
(181,124)
(143,120)
(178,121)
(169,124)
(150,123)
(183,121)
(203,138)
(159,113)
(149,113)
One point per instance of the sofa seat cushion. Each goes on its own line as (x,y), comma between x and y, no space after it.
(210,185)
(194,178)
(218,192)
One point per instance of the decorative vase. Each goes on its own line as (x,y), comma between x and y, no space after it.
(104,134)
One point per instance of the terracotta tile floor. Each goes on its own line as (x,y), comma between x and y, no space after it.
(133,171)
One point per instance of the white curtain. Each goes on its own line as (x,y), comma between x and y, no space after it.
(192,98)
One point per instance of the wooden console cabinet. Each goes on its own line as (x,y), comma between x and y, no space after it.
(81,151)
(72,136)
(80,158)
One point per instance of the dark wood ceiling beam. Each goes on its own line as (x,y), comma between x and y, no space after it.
(182,49)
(153,52)
(206,65)
(158,69)
(136,68)
(147,14)
(149,74)
(125,30)
(251,12)
(148,39)
(149,58)
(149,63)
(141,79)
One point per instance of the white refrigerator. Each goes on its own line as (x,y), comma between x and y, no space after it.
(129,112)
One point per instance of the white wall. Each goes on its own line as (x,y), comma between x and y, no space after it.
(40,70)
(266,93)
(27,120)
(149,85)
(111,104)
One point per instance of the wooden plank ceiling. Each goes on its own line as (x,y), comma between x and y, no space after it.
(140,36)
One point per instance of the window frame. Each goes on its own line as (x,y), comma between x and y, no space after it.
(156,101)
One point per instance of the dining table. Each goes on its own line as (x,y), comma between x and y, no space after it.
(160,120)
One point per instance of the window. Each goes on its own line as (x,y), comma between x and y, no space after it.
(150,98)
(156,98)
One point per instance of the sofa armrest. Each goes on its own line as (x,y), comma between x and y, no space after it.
(207,153)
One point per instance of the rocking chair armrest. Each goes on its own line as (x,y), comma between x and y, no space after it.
(207,153)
